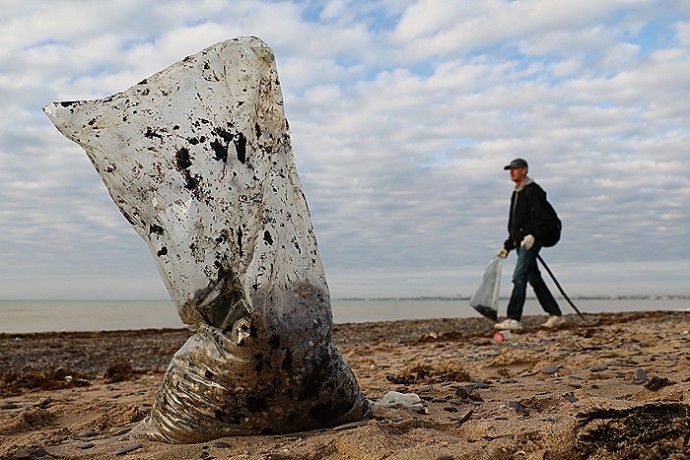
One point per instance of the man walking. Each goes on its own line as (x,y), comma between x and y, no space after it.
(528,225)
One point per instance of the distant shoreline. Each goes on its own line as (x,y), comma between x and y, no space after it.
(393,298)
(90,315)
(456,298)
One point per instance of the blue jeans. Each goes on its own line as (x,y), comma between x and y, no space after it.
(526,270)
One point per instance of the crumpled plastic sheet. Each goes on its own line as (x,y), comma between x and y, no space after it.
(485,299)
(198,160)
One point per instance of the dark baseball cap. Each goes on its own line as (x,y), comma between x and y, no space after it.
(516,164)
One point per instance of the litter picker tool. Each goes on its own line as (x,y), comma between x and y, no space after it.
(558,285)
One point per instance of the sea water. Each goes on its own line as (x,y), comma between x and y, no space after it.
(21,316)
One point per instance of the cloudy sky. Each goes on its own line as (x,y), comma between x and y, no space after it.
(402,114)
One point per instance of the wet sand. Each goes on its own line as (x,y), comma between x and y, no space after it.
(614,387)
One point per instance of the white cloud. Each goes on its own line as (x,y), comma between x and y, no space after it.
(428,29)
(683,33)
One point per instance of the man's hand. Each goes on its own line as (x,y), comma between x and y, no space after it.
(527,242)
(503,253)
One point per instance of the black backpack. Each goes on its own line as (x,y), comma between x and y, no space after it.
(555,226)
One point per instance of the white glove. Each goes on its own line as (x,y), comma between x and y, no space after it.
(527,242)
(503,253)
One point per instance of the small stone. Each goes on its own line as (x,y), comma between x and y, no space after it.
(45,403)
(475,398)
(574,385)
(640,376)
(87,434)
(599,368)
(9,406)
(463,392)
(350,425)
(460,420)
(128,448)
(550,369)
(481,386)
(85,445)
(122,431)
(40,452)
(519,408)
(221,445)
(656,383)
(425,389)
(22,453)
(418,408)
(445,457)
(570,398)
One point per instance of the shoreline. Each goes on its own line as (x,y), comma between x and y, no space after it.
(543,394)
(87,316)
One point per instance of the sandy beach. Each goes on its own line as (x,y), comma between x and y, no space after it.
(614,387)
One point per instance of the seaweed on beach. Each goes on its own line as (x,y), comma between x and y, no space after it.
(424,373)
(650,431)
(119,372)
(657,383)
(14,383)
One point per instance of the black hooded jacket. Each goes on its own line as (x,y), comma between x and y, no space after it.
(529,215)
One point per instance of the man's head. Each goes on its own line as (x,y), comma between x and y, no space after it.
(518,170)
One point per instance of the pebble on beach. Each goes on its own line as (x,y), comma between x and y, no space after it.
(522,410)
(221,445)
(552,369)
(570,398)
(128,448)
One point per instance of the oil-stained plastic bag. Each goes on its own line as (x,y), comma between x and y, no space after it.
(485,300)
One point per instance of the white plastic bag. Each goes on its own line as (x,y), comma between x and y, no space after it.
(485,300)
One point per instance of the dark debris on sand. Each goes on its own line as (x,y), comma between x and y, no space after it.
(54,360)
